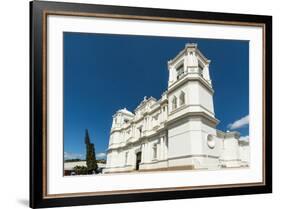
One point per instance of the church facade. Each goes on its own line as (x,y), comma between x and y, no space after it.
(178,131)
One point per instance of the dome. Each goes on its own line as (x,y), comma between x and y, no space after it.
(125,111)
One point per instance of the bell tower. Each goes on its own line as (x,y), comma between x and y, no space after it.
(189,79)
(189,61)
(191,109)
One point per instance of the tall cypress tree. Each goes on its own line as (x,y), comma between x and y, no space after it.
(90,154)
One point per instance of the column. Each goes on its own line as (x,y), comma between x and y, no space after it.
(166,146)
(145,119)
(161,149)
(142,153)
(147,123)
(147,152)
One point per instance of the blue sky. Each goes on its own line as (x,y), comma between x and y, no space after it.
(104,73)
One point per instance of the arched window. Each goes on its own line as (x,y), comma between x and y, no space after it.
(174,103)
(201,68)
(182,98)
(180,71)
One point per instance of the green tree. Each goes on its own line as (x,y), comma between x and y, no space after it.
(90,154)
(81,170)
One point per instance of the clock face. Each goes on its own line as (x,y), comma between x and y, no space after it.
(211,142)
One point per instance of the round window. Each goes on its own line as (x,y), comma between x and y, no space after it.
(211,142)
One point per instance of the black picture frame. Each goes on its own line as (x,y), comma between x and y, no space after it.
(38,11)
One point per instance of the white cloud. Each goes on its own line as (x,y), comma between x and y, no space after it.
(101,155)
(239,123)
(244,138)
(68,156)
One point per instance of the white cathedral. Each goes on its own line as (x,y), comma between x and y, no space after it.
(178,131)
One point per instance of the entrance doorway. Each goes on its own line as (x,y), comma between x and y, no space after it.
(138,160)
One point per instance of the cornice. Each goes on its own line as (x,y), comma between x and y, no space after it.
(214,121)
(183,51)
(189,105)
(185,79)
(205,59)
(175,59)
(228,135)
(158,132)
